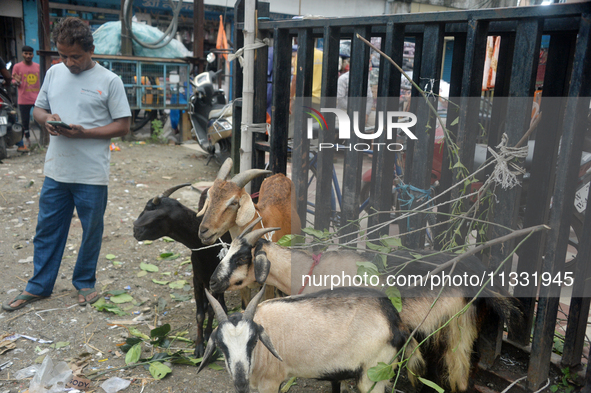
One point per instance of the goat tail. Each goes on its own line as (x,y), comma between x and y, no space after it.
(504,306)
(415,364)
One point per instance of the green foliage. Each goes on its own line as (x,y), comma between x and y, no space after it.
(431,384)
(381,372)
(102,305)
(159,370)
(566,383)
(134,354)
(156,136)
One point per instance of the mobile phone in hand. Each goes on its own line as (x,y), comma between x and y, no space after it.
(59,124)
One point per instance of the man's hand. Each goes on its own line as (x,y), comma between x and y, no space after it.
(77,131)
(17,78)
(54,130)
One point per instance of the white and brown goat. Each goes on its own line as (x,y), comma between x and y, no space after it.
(448,352)
(328,335)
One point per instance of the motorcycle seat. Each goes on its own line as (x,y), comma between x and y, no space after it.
(224,110)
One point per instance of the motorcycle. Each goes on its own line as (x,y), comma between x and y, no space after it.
(11,131)
(211,116)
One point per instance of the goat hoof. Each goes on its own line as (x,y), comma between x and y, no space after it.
(199,351)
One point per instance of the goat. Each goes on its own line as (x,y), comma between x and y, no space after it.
(252,259)
(164,216)
(329,335)
(229,207)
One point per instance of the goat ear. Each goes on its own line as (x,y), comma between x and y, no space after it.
(266,340)
(205,206)
(246,210)
(209,350)
(261,267)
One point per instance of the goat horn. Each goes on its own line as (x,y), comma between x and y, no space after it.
(250,226)
(220,314)
(225,169)
(243,178)
(252,306)
(252,237)
(156,200)
(167,193)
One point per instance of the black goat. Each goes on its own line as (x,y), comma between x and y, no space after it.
(164,216)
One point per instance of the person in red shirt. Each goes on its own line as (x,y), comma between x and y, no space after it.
(26,76)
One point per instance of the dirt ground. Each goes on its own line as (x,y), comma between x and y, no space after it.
(138,173)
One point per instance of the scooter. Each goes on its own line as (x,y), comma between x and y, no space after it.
(11,131)
(211,116)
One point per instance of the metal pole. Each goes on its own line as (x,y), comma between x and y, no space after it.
(126,46)
(198,35)
(248,88)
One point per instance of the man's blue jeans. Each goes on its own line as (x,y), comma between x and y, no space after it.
(56,206)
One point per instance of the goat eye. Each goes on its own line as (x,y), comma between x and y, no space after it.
(238,282)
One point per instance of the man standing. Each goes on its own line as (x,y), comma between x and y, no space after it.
(26,76)
(92,101)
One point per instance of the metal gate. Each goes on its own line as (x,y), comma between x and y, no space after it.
(553,175)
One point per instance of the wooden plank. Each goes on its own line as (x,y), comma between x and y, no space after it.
(301,144)
(543,165)
(280,100)
(562,203)
(383,164)
(414,100)
(259,115)
(578,313)
(455,89)
(496,14)
(470,97)
(324,165)
(502,81)
(358,74)
(425,128)
(523,73)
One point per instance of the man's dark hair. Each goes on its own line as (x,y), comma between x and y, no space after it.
(73,31)
(27,48)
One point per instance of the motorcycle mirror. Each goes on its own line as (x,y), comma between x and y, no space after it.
(8,65)
(210,57)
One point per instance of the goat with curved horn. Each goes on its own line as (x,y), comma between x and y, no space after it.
(225,169)
(167,193)
(249,227)
(252,306)
(218,310)
(252,237)
(243,178)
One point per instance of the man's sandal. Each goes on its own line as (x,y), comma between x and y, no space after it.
(86,293)
(28,299)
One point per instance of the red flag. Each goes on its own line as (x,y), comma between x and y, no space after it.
(222,42)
